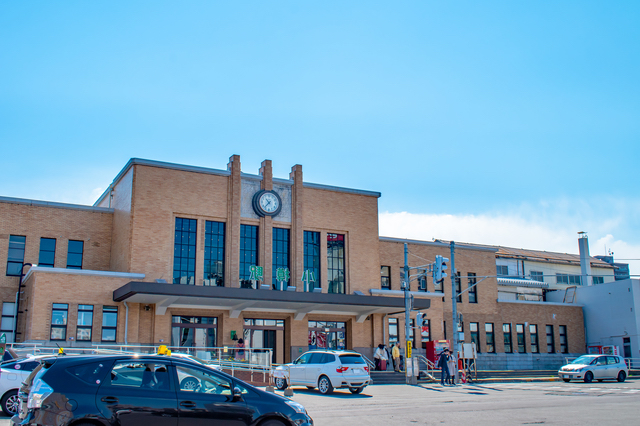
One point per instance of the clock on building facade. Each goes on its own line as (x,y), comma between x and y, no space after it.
(267,203)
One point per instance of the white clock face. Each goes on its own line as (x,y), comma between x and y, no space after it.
(269,202)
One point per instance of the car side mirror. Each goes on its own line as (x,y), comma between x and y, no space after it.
(237,394)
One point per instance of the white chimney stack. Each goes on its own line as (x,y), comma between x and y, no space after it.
(585,259)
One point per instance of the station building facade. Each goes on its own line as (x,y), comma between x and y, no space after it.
(197,257)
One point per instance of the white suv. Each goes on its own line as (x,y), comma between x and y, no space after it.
(326,370)
(12,374)
(598,367)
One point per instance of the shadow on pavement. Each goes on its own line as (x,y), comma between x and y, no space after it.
(335,394)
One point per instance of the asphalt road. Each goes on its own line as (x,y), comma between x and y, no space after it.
(549,403)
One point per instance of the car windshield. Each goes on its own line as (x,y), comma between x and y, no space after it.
(582,360)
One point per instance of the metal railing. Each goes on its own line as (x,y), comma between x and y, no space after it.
(429,367)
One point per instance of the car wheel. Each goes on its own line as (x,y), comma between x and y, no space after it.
(356,390)
(281,383)
(566,380)
(621,377)
(588,377)
(10,403)
(189,383)
(324,385)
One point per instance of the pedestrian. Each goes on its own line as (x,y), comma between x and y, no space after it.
(380,358)
(443,363)
(451,365)
(395,353)
(239,356)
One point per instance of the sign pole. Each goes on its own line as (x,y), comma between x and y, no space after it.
(408,362)
(454,310)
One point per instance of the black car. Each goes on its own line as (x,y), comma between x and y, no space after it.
(157,390)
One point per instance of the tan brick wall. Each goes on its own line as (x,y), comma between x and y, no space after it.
(121,236)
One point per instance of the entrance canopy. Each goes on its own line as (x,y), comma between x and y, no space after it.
(238,300)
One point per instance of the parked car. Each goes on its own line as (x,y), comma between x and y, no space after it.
(599,367)
(12,374)
(325,369)
(132,390)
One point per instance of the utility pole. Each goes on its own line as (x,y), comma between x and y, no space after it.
(407,319)
(454,309)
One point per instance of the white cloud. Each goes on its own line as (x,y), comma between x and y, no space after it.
(511,230)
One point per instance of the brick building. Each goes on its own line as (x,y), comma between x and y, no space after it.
(198,257)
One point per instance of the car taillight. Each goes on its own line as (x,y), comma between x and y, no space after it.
(342,369)
(39,391)
(366,368)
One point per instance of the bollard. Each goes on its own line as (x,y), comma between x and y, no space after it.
(288,391)
(270,389)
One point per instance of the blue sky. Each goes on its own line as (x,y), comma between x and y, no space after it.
(471,115)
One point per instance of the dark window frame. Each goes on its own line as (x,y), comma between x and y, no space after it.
(520,339)
(336,263)
(214,253)
(507,338)
(47,251)
(58,307)
(490,337)
(248,254)
(84,308)
(473,291)
(385,278)
(184,251)
(394,322)
(109,310)
(14,261)
(71,254)
(502,270)
(563,339)
(474,336)
(458,282)
(533,338)
(280,253)
(551,345)
(537,275)
(312,257)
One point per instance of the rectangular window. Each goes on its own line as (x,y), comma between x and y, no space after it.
(280,252)
(85,322)
(335,263)
(568,279)
(533,332)
(488,330)
(312,258)
(47,252)
(473,291)
(8,314)
(551,347)
(385,277)
(444,329)
(59,316)
(15,259)
(562,332)
(393,330)
(214,237)
(473,332)
(502,270)
(458,288)
(520,336)
(506,331)
(74,254)
(248,255)
(598,279)
(184,251)
(109,323)
(537,276)
(197,332)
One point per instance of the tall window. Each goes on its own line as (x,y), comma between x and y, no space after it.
(335,263)
(281,243)
(184,251)
(458,288)
(85,322)
(248,254)
(562,331)
(520,336)
(533,332)
(551,347)
(488,330)
(47,252)
(109,323)
(8,312)
(537,276)
(473,332)
(502,270)
(59,316)
(393,330)
(214,234)
(385,277)
(312,257)
(506,331)
(16,255)
(74,254)
(473,291)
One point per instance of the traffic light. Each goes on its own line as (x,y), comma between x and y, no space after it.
(441,266)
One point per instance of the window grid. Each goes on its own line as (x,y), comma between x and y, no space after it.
(533,332)
(537,276)
(562,331)
(385,277)
(473,332)
(75,251)
(184,251)
(248,254)
(85,323)
(490,338)
(473,292)
(393,330)
(568,279)
(551,347)
(598,279)
(335,263)
(8,314)
(15,259)
(506,331)
(520,336)
(281,238)
(502,270)
(47,252)
(312,257)
(214,238)
(59,316)
(109,323)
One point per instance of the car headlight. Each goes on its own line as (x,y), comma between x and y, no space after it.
(298,408)
(39,391)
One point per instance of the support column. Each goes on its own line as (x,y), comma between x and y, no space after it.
(232,239)
(265,239)
(297,228)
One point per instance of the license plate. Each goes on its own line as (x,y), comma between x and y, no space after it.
(357,371)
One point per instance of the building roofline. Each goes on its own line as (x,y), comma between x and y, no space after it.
(436,244)
(218,172)
(84,272)
(40,203)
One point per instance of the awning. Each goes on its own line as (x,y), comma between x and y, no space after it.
(521,282)
(238,300)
